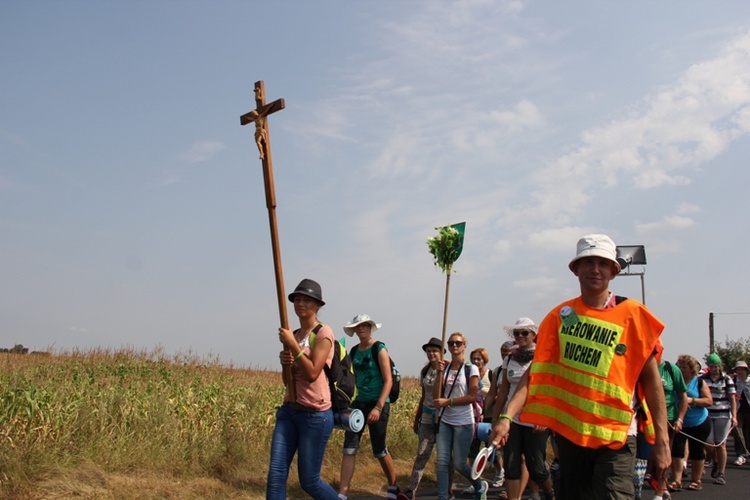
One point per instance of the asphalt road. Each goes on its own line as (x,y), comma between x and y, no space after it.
(737,487)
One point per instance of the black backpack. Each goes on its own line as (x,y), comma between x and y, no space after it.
(395,374)
(341,379)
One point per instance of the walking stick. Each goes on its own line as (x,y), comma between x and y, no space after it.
(263,141)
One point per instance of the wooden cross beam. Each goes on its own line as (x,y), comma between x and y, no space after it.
(263,141)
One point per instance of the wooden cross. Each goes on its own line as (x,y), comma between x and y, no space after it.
(263,141)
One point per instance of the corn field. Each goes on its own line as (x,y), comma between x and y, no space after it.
(132,413)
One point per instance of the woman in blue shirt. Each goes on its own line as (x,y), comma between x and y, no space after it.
(696,424)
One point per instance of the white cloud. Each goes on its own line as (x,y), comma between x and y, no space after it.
(557,238)
(687,208)
(524,115)
(684,125)
(669,222)
(202,151)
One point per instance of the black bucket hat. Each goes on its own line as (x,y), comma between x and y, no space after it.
(310,288)
(434,342)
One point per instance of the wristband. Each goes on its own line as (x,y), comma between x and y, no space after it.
(680,420)
(377,408)
(450,402)
(298,356)
(504,415)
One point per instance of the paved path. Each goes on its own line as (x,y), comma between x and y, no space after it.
(737,487)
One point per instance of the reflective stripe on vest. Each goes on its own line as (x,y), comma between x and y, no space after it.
(558,396)
(583,377)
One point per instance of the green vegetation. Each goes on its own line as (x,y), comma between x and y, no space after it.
(127,424)
(731,352)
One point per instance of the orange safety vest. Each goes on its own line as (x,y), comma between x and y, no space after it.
(585,369)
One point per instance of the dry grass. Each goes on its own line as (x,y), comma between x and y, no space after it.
(133,424)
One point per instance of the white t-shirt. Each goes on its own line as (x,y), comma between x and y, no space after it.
(514,371)
(459,414)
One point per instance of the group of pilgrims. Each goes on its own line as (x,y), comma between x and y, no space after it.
(581,406)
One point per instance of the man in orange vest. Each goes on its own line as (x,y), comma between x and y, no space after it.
(591,353)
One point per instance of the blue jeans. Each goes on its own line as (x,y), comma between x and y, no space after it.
(454,441)
(305,433)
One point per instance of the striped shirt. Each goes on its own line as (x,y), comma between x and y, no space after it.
(721,390)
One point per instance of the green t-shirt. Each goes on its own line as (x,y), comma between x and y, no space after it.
(674,385)
(367,370)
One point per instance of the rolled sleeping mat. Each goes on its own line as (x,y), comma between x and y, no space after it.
(352,420)
(484,429)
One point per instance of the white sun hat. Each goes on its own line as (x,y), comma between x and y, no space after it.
(358,320)
(521,324)
(596,245)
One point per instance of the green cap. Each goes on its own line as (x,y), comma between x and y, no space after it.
(713,359)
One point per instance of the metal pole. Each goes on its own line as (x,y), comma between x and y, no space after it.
(643,290)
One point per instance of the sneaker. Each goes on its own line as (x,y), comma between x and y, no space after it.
(482,493)
(469,490)
(406,495)
(720,479)
(499,479)
(451,496)
(740,460)
(393,492)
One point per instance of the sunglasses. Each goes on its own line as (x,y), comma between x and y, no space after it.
(455,343)
(519,333)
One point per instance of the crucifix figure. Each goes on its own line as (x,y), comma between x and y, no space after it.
(258,116)
(262,140)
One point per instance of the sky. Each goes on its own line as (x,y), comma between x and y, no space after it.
(132,209)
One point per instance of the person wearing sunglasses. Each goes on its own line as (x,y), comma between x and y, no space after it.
(602,348)
(460,385)
(526,442)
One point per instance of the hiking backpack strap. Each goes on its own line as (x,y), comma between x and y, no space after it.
(374,353)
(313,334)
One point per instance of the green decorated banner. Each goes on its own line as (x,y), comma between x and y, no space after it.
(446,247)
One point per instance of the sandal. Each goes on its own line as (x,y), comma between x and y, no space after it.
(674,486)
(504,495)
(695,485)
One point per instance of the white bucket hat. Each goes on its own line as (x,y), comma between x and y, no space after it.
(521,324)
(596,245)
(740,364)
(358,320)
